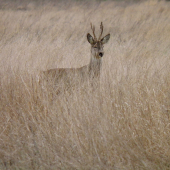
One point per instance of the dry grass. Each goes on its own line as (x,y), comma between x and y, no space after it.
(124,126)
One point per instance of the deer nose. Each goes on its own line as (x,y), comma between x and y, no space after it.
(101,54)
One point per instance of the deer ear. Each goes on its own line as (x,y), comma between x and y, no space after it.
(90,39)
(105,39)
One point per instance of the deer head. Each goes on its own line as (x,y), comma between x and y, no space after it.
(97,44)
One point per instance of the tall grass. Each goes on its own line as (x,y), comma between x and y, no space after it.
(122,125)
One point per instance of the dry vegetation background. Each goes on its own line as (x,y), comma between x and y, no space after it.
(124,126)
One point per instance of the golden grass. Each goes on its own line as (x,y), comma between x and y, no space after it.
(125,125)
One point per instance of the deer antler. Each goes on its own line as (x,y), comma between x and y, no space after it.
(93,29)
(101,27)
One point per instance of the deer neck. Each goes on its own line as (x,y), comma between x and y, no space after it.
(95,67)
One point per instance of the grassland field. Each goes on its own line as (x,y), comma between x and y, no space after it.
(124,125)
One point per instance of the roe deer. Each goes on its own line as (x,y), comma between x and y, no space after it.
(92,70)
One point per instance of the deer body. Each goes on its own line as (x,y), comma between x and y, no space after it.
(90,71)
